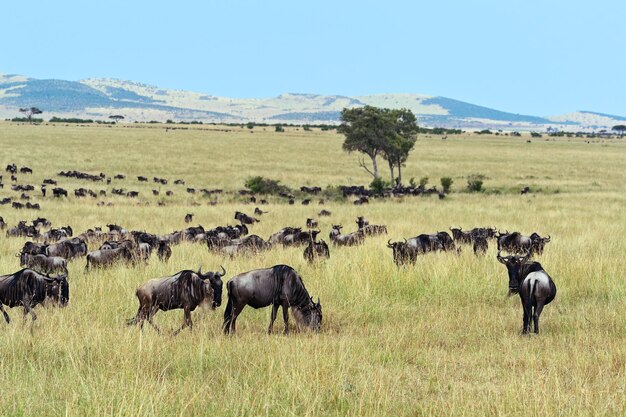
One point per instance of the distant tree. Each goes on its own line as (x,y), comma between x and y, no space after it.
(619,128)
(374,131)
(29,112)
(116,117)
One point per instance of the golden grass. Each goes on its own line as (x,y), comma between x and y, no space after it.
(436,338)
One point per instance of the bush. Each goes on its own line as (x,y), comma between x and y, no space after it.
(423,182)
(535,134)
(279,128)
(446,183)
(475,183)
(307,128)
(378,185)
(250,125)
(262,185)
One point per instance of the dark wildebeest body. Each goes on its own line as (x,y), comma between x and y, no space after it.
(259,212)
(164,252)
(316,250)
(311,223)
(185,290)
(244,218)
(517,243)
(43,263)
(188,217)
(107,257)
(277,286)
(532,283)
(28,288)
(350,239)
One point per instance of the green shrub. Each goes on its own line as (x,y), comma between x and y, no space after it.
(378,185)
(279,128)
(423,182)
(262,185)
(446,183)
(475,183)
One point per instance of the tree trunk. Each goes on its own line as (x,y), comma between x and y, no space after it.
(375,166)
(399,173)
(392,182)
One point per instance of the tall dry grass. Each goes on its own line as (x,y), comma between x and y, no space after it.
(436,338)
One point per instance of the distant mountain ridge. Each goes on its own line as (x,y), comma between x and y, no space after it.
(98,98)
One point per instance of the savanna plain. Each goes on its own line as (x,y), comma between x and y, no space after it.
(440,337)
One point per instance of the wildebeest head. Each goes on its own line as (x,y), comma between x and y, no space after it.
(513,264)
(312,315)
(215,281)
(58,289)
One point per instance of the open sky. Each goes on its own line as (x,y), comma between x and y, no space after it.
(530,57)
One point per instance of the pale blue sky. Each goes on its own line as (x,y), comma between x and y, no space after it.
(532,57)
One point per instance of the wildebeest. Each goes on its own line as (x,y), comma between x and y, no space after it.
(3,225)
(12,168)
(350,239)
(43,190)
(26,170)
(324,213)
(278,286)
(402,252)
(186,289)
(244,218)
(43,263)
(142,178)
(59,192)
(517,243)
(164,252)
(27,288)
(188,217)
(480,244)
(532,283)
(106,257)
(525,190)
(316,250)
(370,229)
(311,223)
(259,212)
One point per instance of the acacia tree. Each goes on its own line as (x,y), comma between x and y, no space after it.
(621,129)
(365,131)
(116,117)
(29,112)
(400,140)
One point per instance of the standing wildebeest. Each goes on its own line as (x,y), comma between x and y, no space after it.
(532,283)
(461,236)
(350,239)
(402,252)
(370,229)
(517,243)
(311,223)
(481,244)
(12,168)
(186,289)
(28,288)
(446,241)
(3,225)
(277,286)
(244,218)
(43,263)
(316,250)
(106,257)
(188,217)
(164,252)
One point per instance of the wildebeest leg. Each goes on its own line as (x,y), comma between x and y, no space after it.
(286,317)
(150,315)
(274,312)
(236,311)
(526,327)
(538,310)
(6,316)
(186,322)
(28,309)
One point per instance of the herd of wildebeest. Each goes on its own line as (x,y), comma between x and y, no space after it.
(44,259)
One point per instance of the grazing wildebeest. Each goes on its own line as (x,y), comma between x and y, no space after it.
(164,252)
(316,250)
(106,257)
(188,217)
(186,289)
(155,192)
(350,239)
(3,225)
(259,212)
(370,229)
(179,182)
(244,218)
(43,263)
(525,190)
(59,192)
(324,213)
(119,176)
(532,283)
(169,193)
(311,223)
(142,178)
(26,170)
(277,286)
(27,288)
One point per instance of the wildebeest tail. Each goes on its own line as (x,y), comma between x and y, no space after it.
(228,312)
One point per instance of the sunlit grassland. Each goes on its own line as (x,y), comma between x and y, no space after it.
(438,338)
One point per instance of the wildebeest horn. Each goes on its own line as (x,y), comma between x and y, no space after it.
(500,258)
(547,239)
(389,245)
(223,273)
(318,301)
(200,270)
(404,240)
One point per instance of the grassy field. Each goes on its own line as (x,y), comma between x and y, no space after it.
(436,338)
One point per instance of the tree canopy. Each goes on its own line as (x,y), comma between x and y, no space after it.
(619,128)
(373,131)
(30,112)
